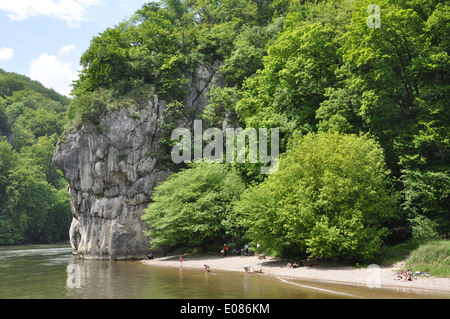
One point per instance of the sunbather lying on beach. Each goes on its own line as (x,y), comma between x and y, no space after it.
(294,265)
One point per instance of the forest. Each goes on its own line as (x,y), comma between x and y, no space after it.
(362,111)
(34,202)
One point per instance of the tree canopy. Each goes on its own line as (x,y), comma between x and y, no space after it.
(194,207)
(34,203)
(331,197)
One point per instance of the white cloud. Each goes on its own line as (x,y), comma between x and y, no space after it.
(53,73)
(71,11)
(6,53)
(66,49)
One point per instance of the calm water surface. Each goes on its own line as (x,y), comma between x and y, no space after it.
(32,272)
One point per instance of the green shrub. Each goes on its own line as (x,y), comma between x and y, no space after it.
(330,199)
(194,207)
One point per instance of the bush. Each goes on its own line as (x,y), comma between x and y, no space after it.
(329,199)
(90,106)
(194,207)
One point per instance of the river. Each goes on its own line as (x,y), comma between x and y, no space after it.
(52,272)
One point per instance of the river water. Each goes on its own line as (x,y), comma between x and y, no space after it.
(52,272)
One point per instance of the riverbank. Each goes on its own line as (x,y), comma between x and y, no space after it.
(381,277)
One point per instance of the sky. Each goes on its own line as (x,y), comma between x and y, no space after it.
(44,39)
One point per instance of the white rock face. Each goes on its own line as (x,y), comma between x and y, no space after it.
(111,175)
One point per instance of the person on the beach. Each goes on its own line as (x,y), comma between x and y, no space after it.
(409,275)
(206,267)
(255,271)
(400,276)
(294,265)
(262,256)
(181,262)
(246,249)
(224,250)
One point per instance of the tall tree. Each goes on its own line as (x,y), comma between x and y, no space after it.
(331,198)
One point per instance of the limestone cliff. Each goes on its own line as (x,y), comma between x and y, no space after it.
(112,169)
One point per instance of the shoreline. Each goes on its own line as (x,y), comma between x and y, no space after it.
(321,272)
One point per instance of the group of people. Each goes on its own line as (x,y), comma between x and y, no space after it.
(225,249)
(406,275)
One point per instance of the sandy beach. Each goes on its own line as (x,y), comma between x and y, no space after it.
(382,277)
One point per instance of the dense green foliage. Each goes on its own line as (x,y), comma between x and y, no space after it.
(161,45)
(34,203)
(331,197)
(194,207)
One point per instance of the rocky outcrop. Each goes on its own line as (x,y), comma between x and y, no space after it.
(112,169)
